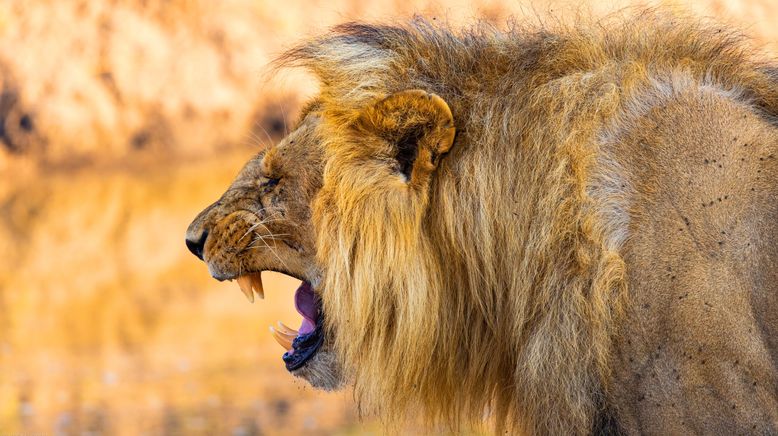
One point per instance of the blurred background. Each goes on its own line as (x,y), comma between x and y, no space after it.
(119,121)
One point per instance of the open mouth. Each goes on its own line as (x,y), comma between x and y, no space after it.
(300,344)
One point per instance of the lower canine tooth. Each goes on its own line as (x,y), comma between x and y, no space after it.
(281,339)
(245,286)
(286,329)
(289,336)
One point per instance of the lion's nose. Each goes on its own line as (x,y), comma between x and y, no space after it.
(196,243)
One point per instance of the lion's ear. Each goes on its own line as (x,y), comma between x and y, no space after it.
(417,126)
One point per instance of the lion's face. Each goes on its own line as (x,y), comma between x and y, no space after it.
(263,223)
(263,220)
(281,209)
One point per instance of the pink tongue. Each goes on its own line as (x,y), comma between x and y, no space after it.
(305,303)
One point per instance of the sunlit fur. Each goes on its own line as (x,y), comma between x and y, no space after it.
(496,287)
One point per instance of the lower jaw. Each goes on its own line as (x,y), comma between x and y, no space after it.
(311,334)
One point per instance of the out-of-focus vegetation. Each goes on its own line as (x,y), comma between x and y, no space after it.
(119,121)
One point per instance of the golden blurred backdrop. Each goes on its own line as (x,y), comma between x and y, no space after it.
(119,121)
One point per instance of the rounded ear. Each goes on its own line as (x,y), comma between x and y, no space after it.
(417,125)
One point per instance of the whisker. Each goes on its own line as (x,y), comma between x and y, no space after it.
(277,214)
(281,220)
(252,137)
(271,236)
(276,237)
(249,231)
(271,250)
(283,115)
(273,215)
(269,138)
(264,239)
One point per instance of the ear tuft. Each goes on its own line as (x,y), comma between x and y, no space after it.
(418,127)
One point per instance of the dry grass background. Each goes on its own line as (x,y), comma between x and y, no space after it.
(119,121)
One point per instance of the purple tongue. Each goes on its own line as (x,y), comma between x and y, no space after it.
(305,303)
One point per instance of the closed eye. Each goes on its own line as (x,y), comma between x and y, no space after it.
(267,185)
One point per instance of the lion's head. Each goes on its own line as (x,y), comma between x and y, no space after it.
(263,223)
(267,219)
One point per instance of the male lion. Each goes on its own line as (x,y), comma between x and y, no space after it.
(562,231)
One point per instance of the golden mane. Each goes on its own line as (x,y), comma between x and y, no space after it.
(498,287)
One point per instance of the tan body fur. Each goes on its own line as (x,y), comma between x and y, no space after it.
(595,251)
(697,352)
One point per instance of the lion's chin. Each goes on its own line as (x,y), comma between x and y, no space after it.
(322,371)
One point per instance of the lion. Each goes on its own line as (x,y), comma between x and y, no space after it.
(553,229)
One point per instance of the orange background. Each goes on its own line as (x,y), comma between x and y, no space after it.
(121,120)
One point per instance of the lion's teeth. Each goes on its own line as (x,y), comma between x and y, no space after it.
(281,339)
(286,329)
(244,282)
(289,336)
(256,283)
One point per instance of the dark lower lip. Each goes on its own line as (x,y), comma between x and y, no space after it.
(304,347)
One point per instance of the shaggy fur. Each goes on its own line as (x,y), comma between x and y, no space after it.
(559,267)
(497,285)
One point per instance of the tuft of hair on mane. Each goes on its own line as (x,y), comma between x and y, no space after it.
(496,291)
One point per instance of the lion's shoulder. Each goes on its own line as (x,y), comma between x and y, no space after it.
(696,165)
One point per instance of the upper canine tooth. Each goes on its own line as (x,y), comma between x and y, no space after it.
(256,283)
(245,286)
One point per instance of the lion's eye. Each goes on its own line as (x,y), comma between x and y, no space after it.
(267,184)
(270,181)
